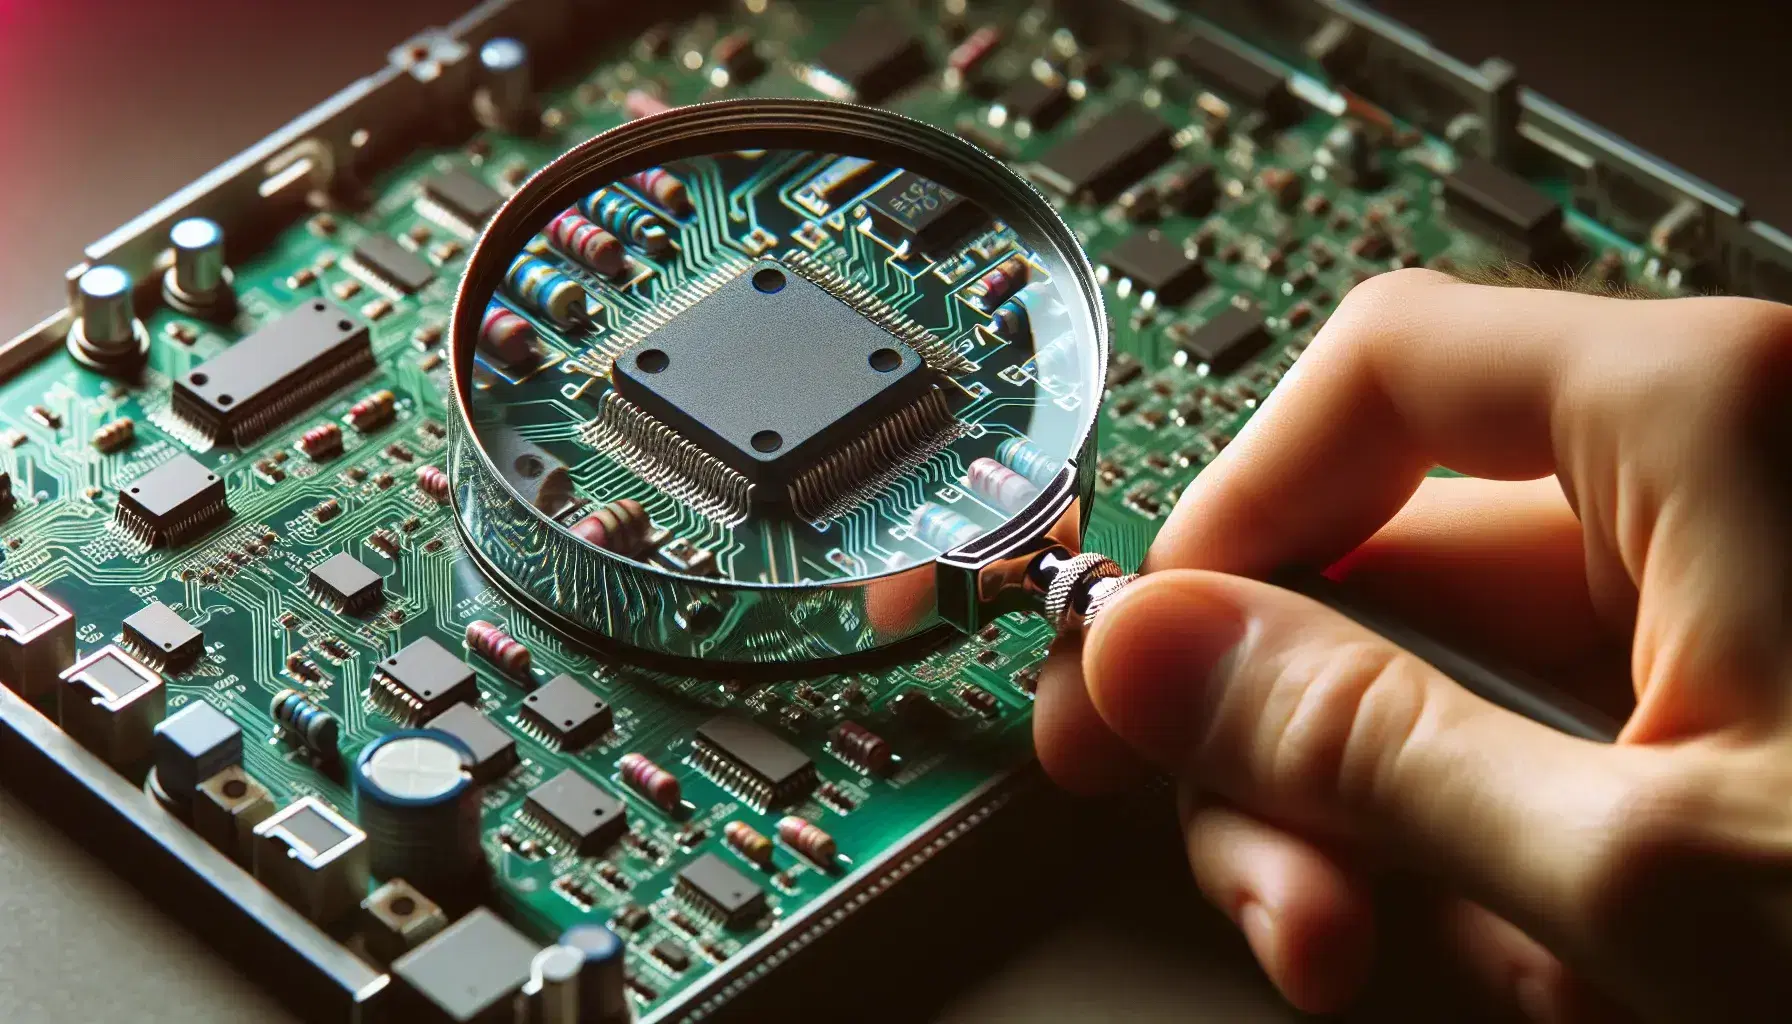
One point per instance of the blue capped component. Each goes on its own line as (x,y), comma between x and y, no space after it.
(540,286)
(602,988)
(192,745)
(416,798)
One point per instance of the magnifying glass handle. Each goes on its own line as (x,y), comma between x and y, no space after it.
(1081,585)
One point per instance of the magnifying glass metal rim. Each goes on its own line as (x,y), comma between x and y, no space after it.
(590,592)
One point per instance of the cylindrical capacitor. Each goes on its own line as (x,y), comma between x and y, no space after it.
(807,838)
(507,97)
(540,286)
(498,647)
(603,988)
(505,336)
(554,977)
(199,282)
(433,482)
(416,799)
(748,842)
(311,725)
(940,527)
(1028,459)
(628,220)
(621,526)
(664,188)
(108,336)
(578,237)
(650,780)
(999,485)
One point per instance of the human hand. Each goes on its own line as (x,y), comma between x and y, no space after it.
(1632,523)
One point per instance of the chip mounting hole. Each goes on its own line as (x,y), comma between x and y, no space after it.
(768,441)
(769,280)
(885,359)
(653,361)
(235,788)
(225,399)
(198,380)
(530,466)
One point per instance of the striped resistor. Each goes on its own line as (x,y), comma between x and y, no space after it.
(490,642)
(664,188)
(940,527)
(311,725)
(808,839)
(627,220)
(538,285)
(591,246)
(505,336)
(749,842)
(621,526)
(433,482)
(999,485)
(1010,321)
(1001,281)
(649,779)
(1028,459)
(640,103)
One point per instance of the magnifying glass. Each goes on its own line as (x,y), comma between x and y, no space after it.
(765,383)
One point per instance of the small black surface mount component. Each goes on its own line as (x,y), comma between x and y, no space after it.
(261,381)
(1499,205)
(1226,341)
(1124,145)
(579,810)
(348,585)
(568,713)
(720,892)
(382,261)
(469,973)
(932,216)
(1239,77)
(875,57)
(1155,264)
(468,199)
(163,638)
(173,503)
(423,680)
(494,750)
(1040,104)
(755,764)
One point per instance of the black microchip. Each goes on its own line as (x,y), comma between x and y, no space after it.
(934,216)
(176,500)
(163,637)
(463,195)
(672,955)
(1495,203)
(633,917)
(351,586)
(764,769)
(471,971)
(392,263)
(425,679)
(1126,144)
(566,711)
(714,888)
(494,751)
(1239,76)
(770,373)
(1040,104)
(575,807)
(1227,340)
(1156,264)
(261,381)
(877,56)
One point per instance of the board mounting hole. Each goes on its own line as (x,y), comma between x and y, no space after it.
(403,906)
(768,441)
(885,359)
(225,399)
(769,280)
(530,465)
(652,361)
(198,379)
(235,788)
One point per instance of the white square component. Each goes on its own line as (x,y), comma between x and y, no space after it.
(314,858)
(111,704)
(37,641)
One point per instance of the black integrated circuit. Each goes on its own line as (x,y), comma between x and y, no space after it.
(1127,143)
(178,500)
(931,215)
(465,197)
(875,57)
(1225,341)
(1155,264)
(717,890)
(1239,77)
(350,586)
(575,807)
(384,261)
(758,765)
(164,638)
(425,679)
(494,751)
(769,374)
(569,713)
(254,385)
(1041,104)
(1499,205)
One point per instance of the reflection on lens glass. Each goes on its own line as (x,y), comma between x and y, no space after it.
(780,367)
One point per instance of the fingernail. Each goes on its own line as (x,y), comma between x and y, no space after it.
(1156,660)
(1260,932)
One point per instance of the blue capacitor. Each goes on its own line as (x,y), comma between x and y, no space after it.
(628,220)
(416,798)
(311,725)
(603,997)
(540,286)
(940,527)
(1027,459)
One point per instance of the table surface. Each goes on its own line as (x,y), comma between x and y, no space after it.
(92,93)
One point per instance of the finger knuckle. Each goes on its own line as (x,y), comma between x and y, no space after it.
(1652,841)
(1374,305)
(1354,712)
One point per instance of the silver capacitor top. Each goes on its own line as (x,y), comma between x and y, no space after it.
(198,256)
(508,90)
(107,319)
(554,977)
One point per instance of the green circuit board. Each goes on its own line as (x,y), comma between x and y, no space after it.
(1276,240)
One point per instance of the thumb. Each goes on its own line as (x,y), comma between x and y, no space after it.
(1301,717)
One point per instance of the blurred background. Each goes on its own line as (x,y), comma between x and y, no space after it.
(107,106)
